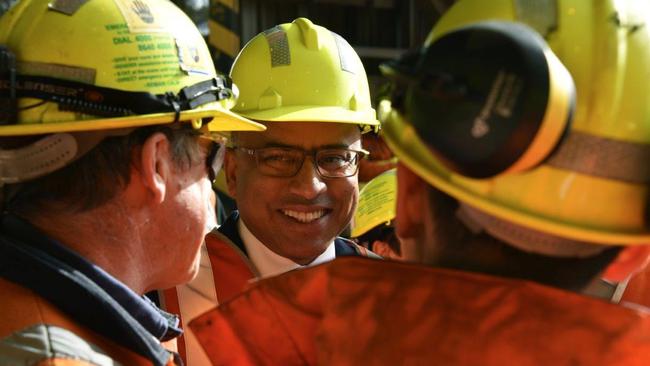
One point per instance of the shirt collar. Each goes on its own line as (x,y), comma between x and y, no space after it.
(267,262)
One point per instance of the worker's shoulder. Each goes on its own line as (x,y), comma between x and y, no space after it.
(32,330)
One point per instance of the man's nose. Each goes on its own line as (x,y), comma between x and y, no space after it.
(307,183)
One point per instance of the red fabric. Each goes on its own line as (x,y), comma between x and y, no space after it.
(361,311)
(282,323)
(229,266)
(638,289)
(170,304)
(231,274)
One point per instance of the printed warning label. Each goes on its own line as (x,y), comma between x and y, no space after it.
(149,54)
(153,58)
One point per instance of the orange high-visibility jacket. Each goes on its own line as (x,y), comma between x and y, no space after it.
(358,311)
(58,309)
(638,288)
(225,271)
(35,332)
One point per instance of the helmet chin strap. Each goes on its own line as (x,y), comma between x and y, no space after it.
(49,154)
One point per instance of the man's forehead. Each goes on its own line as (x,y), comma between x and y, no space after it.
(304,134)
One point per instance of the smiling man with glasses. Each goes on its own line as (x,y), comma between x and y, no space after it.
(296,184)
(296,189)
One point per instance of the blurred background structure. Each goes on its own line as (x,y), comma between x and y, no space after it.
(377,29)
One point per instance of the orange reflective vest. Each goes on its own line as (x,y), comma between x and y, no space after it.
(225,272)
(638,289)
(360,311)
(56,308)
(27,316)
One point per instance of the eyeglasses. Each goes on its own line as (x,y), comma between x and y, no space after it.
(286,162)
(216,153)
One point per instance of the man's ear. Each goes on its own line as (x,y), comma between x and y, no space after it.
(412,199)
(230,169)
(155,166)
(629,261)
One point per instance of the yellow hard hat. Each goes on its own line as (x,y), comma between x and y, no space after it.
(108,64)
(302,72)
(377,203)
(578,174)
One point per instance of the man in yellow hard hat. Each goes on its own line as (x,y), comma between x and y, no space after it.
(523,176)
(107,139)
(296,184)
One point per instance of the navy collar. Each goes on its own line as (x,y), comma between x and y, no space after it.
(229,229)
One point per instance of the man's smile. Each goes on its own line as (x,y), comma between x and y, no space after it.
(305,217)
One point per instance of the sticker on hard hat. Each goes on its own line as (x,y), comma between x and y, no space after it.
(155,63)
(139,16)
(152,59)
(189,58)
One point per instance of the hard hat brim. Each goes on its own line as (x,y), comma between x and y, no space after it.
(222,120)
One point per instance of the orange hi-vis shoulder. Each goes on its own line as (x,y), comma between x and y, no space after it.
(637,290)
(65,342)
(360,311)
(225,272)
(58,308)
